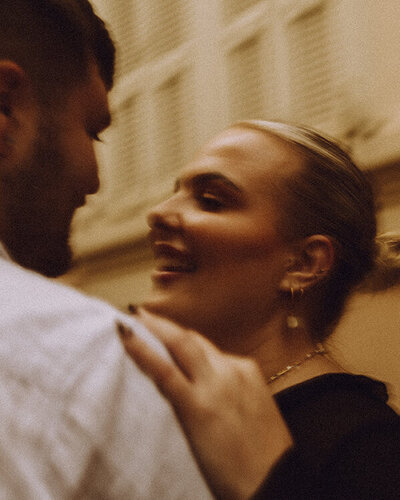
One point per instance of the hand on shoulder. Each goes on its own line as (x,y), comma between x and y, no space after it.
(223,403)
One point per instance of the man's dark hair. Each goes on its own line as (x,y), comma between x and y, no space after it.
(54,42)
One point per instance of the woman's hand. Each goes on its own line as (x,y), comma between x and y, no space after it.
(223,403)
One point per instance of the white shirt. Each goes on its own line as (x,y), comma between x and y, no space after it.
(78,420)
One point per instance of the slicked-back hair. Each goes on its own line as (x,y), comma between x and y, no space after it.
(54,41)
(329,195)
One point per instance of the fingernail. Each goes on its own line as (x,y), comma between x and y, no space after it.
(132,308)
(124,332)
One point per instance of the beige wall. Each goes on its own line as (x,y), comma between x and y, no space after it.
(367,339)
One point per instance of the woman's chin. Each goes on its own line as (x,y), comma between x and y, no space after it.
(158,303)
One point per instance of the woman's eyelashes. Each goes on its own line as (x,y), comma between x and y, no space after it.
(209,196)
(210,201)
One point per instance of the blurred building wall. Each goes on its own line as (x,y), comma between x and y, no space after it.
(187,69)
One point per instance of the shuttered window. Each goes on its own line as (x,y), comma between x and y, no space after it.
(170,108)
(128,149)
(233,8)
(312,87)
(123,20)
(165,27)
(245,82)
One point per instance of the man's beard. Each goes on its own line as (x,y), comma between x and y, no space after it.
(49,255)
(37,224)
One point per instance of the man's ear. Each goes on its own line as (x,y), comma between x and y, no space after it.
(14,90)
(311,261)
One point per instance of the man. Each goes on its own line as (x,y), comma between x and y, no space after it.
(78,420)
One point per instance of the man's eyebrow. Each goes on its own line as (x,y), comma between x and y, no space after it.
(200,179)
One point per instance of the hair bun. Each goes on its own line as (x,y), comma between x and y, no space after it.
(386,271)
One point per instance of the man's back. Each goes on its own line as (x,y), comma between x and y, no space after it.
(78,418)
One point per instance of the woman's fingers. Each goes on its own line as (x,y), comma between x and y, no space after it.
(225,407)
(166,375)
(192,352)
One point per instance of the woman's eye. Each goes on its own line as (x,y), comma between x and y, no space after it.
(210,202)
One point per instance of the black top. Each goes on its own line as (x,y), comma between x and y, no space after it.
(347,442)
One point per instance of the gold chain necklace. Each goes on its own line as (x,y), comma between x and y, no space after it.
(319,349)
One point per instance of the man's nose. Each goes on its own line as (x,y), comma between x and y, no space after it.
(94,184)
(90,176)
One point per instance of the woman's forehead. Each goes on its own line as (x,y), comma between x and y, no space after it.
(241,151)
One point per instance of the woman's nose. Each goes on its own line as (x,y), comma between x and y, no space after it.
(163,217)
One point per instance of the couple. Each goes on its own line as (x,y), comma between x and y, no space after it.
(269,229)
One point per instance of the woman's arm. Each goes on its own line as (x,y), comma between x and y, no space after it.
(223,403)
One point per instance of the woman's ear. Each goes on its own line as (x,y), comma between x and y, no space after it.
(311,261)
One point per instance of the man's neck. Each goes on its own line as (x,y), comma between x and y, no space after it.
(4,253)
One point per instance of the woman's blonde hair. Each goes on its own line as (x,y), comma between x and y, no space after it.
(331,196)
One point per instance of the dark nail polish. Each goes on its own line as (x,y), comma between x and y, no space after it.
(132,308)
(125,332)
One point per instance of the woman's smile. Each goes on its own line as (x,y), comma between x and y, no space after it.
(172,261)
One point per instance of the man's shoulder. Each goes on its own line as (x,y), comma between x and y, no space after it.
(72,401)
(49,328)
(38,293)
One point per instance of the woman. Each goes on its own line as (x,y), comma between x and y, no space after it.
(268,231)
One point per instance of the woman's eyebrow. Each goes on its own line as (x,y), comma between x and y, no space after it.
(201,179)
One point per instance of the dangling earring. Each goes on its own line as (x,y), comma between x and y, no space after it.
(292,321)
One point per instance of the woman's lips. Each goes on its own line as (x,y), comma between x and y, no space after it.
(171,262)
(174,265)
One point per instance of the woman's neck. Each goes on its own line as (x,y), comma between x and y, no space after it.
(275,347)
